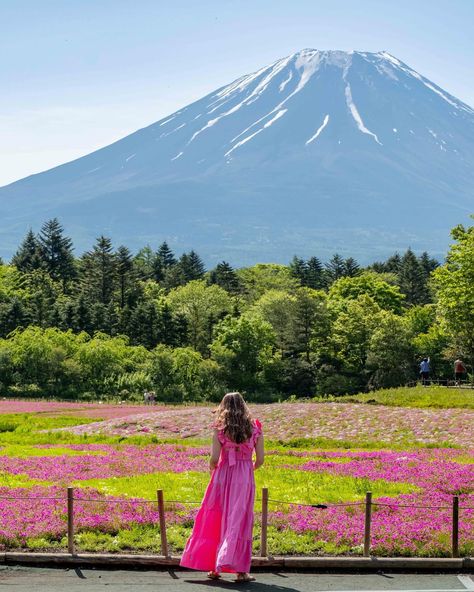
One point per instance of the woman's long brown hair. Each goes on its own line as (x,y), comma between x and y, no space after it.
(233,417)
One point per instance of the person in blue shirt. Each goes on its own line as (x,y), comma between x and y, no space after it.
(425,371)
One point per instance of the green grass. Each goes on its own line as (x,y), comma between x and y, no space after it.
(10,480)
(20,451)
(285,485)
(440,397)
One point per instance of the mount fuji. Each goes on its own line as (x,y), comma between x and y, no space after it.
(321,151)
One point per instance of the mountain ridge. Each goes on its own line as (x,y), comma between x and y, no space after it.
(320,149)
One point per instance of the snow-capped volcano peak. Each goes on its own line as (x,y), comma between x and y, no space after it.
(348,140)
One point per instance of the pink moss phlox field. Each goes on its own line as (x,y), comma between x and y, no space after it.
(22,517)
(429,469)
(351,422)
(78,409)
(395,530)
(421,528)
(114,461)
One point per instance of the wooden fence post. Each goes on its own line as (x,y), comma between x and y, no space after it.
(455,533)
(70,520)
(161,511)
(368,520)
(263,536)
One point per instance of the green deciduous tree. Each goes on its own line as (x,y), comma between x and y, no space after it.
(202,306)
(454,283)
(243,347)
(387,296)
(390,352)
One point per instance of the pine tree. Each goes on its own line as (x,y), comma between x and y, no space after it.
(192,266)
(299,270)
(428,263)
(82,315)
(351,267)
(99,271)
(124,272)
(412,279)
(393,264)
(28,258)
(145,325)
(224,276)
(314,274)
(335,269)
(12,316)
(166,255)
(143,263)
(56,251)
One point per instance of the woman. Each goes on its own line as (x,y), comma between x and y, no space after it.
(221,540)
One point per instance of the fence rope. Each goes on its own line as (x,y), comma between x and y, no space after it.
(321,506)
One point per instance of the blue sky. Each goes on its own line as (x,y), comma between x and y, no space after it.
(78,74)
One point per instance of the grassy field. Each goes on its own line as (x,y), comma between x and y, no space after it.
(440,397)
(317,453)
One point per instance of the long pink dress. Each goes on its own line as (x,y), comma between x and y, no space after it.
(221,540)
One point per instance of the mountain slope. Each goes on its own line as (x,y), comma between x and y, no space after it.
(320,151)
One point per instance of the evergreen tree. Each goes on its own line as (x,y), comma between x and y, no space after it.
(145,326)
(27,258)
(314,274)
(144,262)
(164,260)
(224,276)
(412,279)
(192,266)
(351,267)
(124,273)
(82,315)
(166,255)
(99,271)
(56,251)
(12,315)
(428,263)
(334,269)
(158,269)
(299,269)
(393,264)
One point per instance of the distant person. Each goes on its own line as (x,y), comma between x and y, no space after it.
(460,371)
(221,540)
(146,398)
(425,371)
(152,397)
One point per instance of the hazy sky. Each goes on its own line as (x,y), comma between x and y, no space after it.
(76,75)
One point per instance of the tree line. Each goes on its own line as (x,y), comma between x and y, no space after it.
(113,323)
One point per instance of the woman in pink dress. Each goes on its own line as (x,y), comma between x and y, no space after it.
(221,540)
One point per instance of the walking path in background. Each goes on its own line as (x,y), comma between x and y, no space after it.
(25,579)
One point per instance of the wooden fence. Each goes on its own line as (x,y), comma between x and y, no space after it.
(369,504)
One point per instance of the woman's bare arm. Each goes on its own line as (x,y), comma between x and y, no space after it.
(215,451)
(259,452)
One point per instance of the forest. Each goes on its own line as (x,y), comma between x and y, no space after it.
(111,324)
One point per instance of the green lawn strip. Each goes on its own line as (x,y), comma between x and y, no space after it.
(146,538)
(12,481)
(19,451)
(432,396)
(286,485)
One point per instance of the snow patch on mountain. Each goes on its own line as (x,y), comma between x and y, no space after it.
(356,115)
(319,130)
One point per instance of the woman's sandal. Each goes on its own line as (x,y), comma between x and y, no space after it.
(244,577)
(213,575)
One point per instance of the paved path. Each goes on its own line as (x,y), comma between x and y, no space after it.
(31,579)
